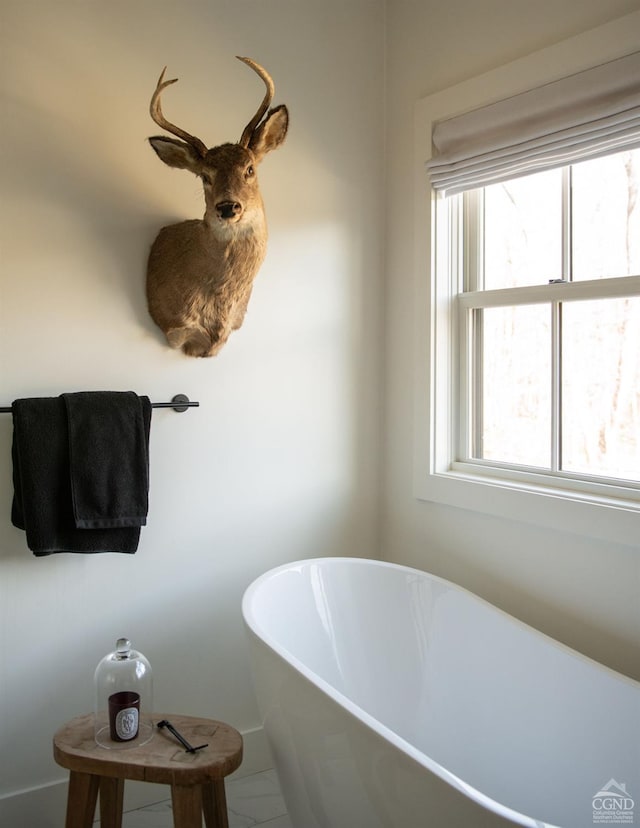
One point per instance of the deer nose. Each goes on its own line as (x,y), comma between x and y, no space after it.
(228,209)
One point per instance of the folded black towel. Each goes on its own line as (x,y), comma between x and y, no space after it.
(43,500)
(108,458)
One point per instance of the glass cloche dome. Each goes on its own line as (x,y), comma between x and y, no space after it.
(123,698)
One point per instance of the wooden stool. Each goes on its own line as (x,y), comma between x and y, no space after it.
(196,779)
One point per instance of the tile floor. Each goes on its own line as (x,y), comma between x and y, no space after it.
(251,800)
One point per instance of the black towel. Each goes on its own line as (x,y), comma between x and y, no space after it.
(108,458)
(43,499)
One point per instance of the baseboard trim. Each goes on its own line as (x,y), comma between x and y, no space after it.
(44,806)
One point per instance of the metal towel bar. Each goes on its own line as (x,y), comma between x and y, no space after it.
(179,403)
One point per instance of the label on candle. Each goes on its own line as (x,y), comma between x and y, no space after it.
(126,723)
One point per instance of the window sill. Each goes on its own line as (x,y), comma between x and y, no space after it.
(611,519)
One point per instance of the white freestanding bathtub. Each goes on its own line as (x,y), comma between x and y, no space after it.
(393,698)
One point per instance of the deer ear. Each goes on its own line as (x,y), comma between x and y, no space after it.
(271,132)
(176,154)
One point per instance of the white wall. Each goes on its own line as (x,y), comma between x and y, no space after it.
(280,460)
(575,588)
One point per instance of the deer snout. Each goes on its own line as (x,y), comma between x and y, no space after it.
(227,210)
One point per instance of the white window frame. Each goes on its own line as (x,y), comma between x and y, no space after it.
(437,476)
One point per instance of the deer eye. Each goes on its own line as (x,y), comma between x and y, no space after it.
(250,172)
(206,179)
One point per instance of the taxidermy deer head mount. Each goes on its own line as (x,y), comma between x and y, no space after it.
(200,272)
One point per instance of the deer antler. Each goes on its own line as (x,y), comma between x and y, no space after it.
(158,117)
(268,82)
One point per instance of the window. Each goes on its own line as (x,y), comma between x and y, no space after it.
(552,382)
(528,394)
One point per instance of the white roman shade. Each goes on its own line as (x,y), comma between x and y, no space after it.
(583,116)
